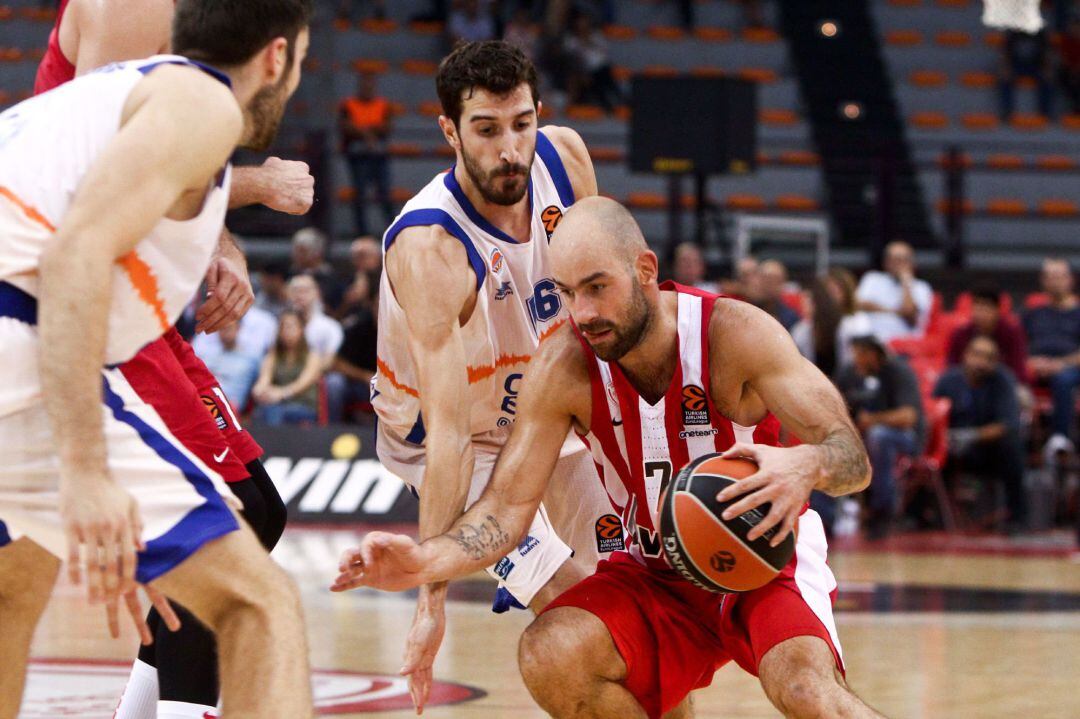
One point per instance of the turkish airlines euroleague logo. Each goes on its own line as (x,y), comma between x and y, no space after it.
(551,217)
(215,411)
(695,407)
(609,534)
(90,690)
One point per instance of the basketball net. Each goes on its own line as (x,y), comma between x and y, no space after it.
(1023,15)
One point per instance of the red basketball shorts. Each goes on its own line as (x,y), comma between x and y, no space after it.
(168,376)
(674,636)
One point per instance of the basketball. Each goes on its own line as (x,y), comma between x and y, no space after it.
(708,551)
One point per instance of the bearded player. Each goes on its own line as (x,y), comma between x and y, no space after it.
(116,186)
(467,296)
(635,638)
(176,675)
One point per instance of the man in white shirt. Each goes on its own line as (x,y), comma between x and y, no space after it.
(898,304)
(256,333)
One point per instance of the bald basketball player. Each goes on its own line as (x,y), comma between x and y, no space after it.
(635,638)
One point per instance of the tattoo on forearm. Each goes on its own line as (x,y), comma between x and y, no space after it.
(844,460)
(479,541)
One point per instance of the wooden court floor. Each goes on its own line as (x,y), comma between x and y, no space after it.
(924,635)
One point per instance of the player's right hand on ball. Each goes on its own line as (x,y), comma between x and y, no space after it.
(391,562)
(104,532)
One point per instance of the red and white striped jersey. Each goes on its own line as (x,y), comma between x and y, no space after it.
(638,447)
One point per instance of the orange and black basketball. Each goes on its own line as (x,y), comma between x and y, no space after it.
(708,551)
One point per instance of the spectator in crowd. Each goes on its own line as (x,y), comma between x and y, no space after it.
(746,284)
(366,257)
(984,421)
(235,369)
(365,253)
(897,302)
(273,292)
(1053,333)
(592,81)
(883,395)
(688,267)
(287,390)
(1069,69)
(470,22)
(524,33)
(774,280)
(365,129)
(853,321)
(987,320)
(816,334)
(356,360)
(323,333)
(1026,55)
(309,257)
(255,335)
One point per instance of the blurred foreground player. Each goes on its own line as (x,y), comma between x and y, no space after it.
(176,675)
(635,638)
(466,297)
(130,164)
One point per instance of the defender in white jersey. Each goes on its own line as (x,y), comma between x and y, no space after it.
(467,296)
(113,190)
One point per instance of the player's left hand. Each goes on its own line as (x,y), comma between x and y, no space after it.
(288,185)
(138,616)
(228,294)
(785,478)
(425,638)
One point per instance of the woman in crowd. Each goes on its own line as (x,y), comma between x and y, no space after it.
(287,390)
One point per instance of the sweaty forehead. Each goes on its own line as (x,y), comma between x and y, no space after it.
(478,102)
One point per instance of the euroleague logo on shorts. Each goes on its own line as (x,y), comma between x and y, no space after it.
(551,217)
(215,411)
(88,689)
(496,260)
(695,407)
(609,534)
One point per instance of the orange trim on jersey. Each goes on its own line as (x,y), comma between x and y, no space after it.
(477,374)
(551,330)
(388,373)
(31,213)
(146,285)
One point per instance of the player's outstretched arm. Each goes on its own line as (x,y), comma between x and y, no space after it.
(177,130)
(497,521)
(764,359)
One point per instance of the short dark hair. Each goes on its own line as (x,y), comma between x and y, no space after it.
(491,65)
(227,33)
(986,293)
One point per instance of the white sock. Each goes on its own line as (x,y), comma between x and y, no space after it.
(183,710)
(140,695)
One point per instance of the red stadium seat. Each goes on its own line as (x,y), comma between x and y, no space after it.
(903,38)
(797,203)
(668,33)
(1058,207)
(1056,162)
(620,32)
(926,469)
(1029,122)
(1006,206)
(804,158)
(745,201)
(928,78)
(953,38)
(712,34)
(1036,299)
(763,75)
(1003,161)
(415,66)
(980,121)
(427,27)
(378,27)
(930,120)
(978,79)
(778,116)
(646,201)
(760,35)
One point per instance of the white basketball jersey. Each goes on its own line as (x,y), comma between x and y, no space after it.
(47,144)
(517,301)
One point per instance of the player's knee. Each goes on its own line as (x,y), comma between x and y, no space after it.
(804,694)
(264,597)
(547,651)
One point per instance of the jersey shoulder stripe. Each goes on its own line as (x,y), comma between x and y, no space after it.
(434,216)
(550,157)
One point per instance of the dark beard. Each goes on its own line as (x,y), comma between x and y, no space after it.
(628,336)
(490,186)
(265,112)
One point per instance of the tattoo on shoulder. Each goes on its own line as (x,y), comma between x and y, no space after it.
(479,541)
